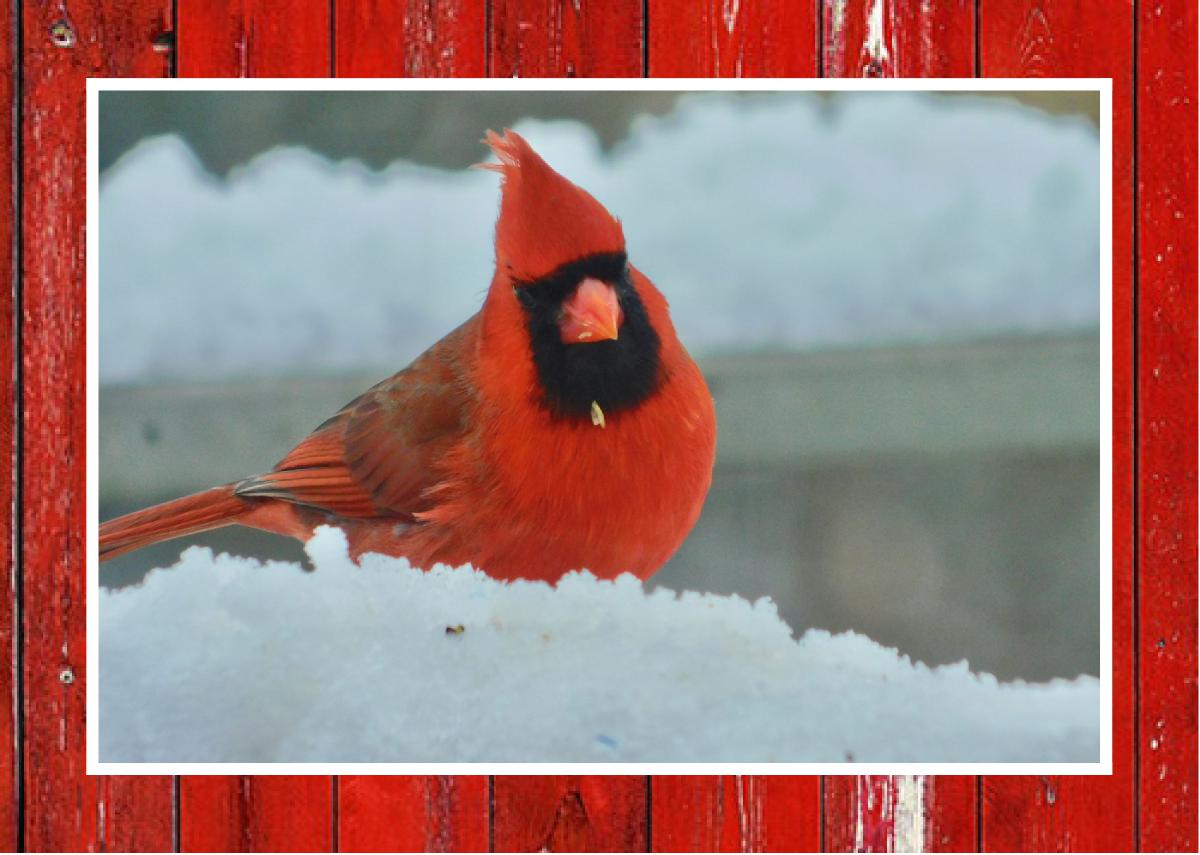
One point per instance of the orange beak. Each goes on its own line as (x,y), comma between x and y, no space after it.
(592,313)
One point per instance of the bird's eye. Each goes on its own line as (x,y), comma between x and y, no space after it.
(524,297)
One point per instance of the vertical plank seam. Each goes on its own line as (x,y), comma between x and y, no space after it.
(176,810)
(173,62)
(173,53)
(978,58)
(819,5)
(17,464)
(333,38)
(821,813)
(1135,443)
(335,814)
(646,73)
(491,813)
(649,801)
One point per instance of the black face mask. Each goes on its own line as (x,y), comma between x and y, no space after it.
(615,374)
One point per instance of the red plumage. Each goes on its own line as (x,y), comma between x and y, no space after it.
(477,452)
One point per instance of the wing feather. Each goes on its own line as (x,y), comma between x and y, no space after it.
(378,456)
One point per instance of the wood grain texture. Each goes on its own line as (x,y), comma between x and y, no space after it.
(900,814)
(66,42)
(9,698)
(735,813)
(566,38)
(254,38)
(898,38)
(256,814)
(569,813)
(1055,813)
(63,45)
(134,814)
(413,814)
(1065,38)
(411,38)
(718,38)
(881,38)
(1166,252)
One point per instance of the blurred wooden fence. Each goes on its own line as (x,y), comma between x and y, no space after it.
(1148,49)
(159,441)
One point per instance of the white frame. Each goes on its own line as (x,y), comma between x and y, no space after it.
(1103,86)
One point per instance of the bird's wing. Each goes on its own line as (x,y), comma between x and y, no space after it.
(377,456)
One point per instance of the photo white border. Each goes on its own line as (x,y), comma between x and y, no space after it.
(97,85)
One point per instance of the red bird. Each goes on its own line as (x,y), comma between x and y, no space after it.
(564,426)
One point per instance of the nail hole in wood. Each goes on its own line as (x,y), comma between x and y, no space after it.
(62,34)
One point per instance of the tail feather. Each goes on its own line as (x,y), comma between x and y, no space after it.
(198,512)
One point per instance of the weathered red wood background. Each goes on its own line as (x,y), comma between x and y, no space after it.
(1148,49)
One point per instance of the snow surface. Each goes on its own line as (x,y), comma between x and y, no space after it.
(769,221)
(228,659)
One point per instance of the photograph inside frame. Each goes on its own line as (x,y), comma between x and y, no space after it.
(826,362)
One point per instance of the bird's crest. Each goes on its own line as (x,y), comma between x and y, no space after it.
(545,220)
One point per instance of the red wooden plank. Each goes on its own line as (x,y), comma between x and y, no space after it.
(1055,813)
(413,38)
(716,38)
(901,814)
(897,38)
(413,814)
(8,587)
(254,38)
(569,813)
(777,38)
(134,814)
(1071,39)
(735,813)
(952,814)
(256,814)
(1166,165)
(566,38)
(64,809)
(882,38)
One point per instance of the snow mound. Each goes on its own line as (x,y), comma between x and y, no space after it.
(775,221)
(228,659)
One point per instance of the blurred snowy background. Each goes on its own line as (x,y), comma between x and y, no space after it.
(895,299)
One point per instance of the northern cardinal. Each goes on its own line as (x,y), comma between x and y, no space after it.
(563,426)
